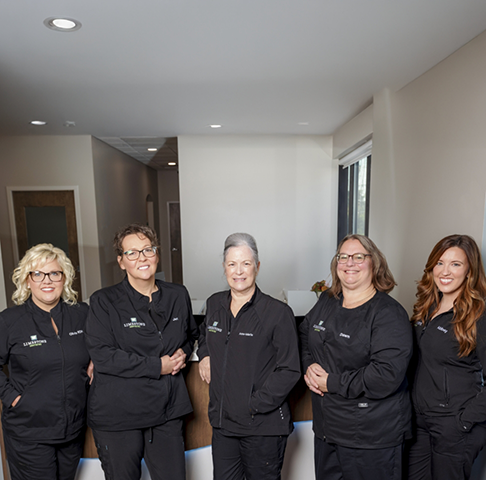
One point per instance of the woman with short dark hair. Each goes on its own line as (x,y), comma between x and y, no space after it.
(139,334)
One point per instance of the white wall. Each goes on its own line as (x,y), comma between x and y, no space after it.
(280,189)
(47,161)
(122,185)
(429,163)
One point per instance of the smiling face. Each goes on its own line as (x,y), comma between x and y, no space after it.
(46,294)
(451,272)
(143,269)
(240,270)
(354,276)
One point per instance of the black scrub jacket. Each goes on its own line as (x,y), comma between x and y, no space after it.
(126,336)
(254,364)
(47,370)
(366,351)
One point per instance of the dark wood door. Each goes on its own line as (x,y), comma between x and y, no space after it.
(48,217)
(175,242)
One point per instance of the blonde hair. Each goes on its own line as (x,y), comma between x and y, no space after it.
(34,259)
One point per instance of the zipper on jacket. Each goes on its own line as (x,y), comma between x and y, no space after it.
(63,381)
(223,375)
(155,324)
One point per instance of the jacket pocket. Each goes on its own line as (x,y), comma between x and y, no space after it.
(446,389)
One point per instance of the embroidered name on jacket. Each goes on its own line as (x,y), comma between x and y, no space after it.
(34,342)
(442,329)
(79,332)
(246,334)
(134,324)
(345,335)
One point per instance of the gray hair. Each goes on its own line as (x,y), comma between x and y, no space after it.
(240,240)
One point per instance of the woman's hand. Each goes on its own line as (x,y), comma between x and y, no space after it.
(316,379)
(173,364)
(205,369)
(90,371)
(17,399)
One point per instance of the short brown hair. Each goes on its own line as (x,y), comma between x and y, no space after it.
(131,229)
(382,279)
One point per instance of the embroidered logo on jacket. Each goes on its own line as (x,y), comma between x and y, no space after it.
(133,323)
(214,328)
(246,334)
(319,327)
(345,335)
(34,342)
(175,319)
(442,329)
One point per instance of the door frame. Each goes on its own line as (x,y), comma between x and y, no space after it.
(13,228)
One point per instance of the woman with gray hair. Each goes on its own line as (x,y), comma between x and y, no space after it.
(249,355)
(42,341)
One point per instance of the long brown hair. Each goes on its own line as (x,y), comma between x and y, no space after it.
(469,304)
(382,280)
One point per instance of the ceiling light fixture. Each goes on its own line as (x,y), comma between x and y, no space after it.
(171,164)
(152,149)
(62,24)
(38,122)
(215,126)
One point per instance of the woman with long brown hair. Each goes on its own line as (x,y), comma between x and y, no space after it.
(447,393)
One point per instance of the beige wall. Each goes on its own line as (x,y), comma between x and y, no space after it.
(429,163)
(168,181)
(281,189)
(122,186)
(50,161)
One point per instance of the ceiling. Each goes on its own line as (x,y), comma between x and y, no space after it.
(139,73)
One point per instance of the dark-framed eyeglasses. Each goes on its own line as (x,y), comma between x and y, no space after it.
(356,257)
(38,276)
(148,252)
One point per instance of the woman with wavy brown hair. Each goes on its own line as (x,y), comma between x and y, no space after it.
(447,393)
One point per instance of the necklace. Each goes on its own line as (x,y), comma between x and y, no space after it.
(358,302)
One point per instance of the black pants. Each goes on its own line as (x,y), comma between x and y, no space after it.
(335,462)
(57,461)
(251,457)
(161,446)
(441,451)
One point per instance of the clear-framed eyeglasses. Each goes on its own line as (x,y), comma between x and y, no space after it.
(148,252)
(38,276)
(356,257)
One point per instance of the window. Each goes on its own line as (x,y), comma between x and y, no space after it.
(354,192)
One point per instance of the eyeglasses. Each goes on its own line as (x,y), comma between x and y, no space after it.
(148,252)
(38,277)
(356,257)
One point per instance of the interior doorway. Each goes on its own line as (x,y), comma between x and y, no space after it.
(175,241)
(47,216)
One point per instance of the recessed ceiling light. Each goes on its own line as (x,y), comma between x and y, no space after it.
(215,126)
(38,122)
(152,149)
(62,24)
(171,164)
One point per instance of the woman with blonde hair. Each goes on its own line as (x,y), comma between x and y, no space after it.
(448,392)
(42,342)
(356,346)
